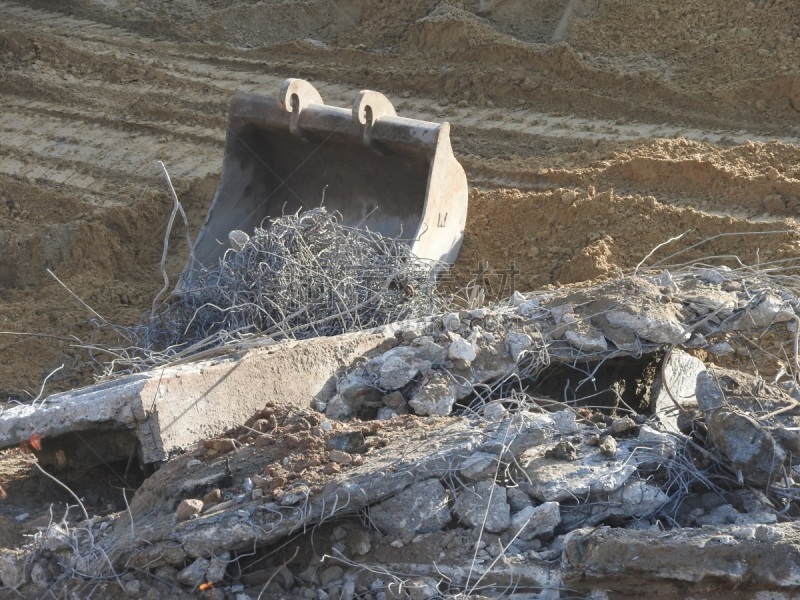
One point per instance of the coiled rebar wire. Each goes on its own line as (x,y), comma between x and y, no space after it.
(304,275)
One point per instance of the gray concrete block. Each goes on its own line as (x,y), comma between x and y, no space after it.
(171,409)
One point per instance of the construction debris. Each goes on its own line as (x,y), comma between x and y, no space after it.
(300,276)
(497,444)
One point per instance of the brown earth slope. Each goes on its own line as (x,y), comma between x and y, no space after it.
(661,120)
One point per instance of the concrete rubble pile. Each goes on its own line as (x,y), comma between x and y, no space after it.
(567,440)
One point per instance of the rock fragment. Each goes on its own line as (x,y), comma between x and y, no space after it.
(358,543)
(484,504)
(771,310)
(536,521)
(742,439)
(342,458)
(195,573)
(420,508)
(436,397)
(517,343)
(608,445)
(188,508)
(397,367)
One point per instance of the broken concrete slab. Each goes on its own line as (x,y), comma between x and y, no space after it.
(668,561)
(745,441)
(553,480)
(248,521)
(421,508)
(172,408)
(636,499)
(659,326)
(675,383)
(591,473)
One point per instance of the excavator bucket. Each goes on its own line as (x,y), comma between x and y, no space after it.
(385,173)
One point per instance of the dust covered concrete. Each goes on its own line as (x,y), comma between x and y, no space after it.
(497,478)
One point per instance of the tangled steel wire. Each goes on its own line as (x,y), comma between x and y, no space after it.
(304,275)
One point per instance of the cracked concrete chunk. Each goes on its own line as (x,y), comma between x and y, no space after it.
(638,499)
(684,555)
(720,515)
(516,299)
(461,349)
(742,439)
(339,409)
(710,276)
(420,508)
(771,310)
(436,397)
(194,574)
(586,339)
(658,443)
(478,466)
(55,538)
(536,521)
(677,379)
(12,568)
(451,322)
(40,574)
(422,588)
(517,343)
(660,325)
(484,504)
(516,433)
(427,349)
(353,391)
(557,480)
(517,499)
(217,567)
(564,421)
(397,367)
(748,444)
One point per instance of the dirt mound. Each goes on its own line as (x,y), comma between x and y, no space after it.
(529,240)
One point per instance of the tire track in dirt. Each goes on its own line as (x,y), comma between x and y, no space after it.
(196,72)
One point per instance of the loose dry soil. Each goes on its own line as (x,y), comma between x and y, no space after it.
(643,121)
